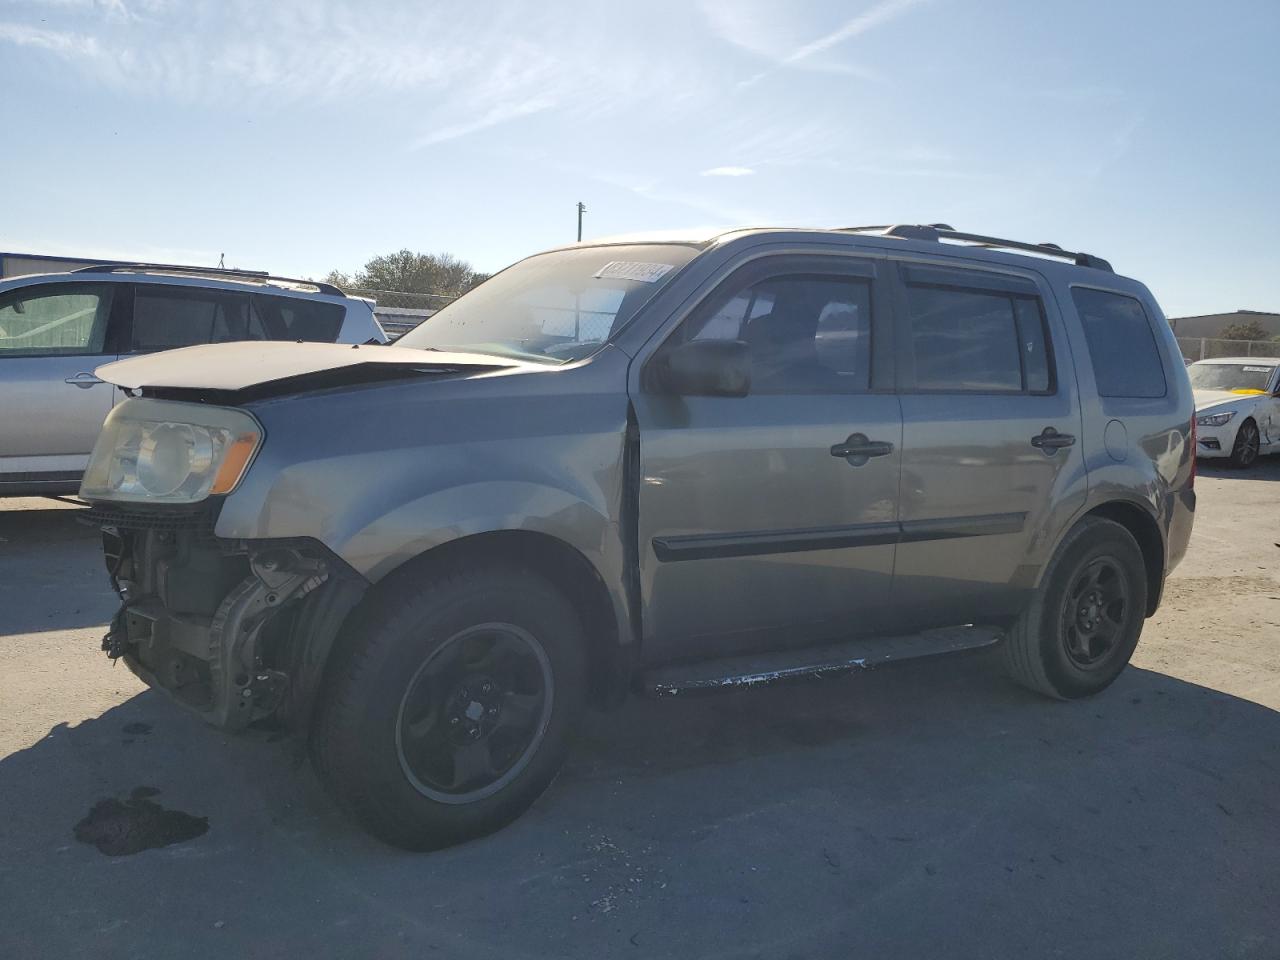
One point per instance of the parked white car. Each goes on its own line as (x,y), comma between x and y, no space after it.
(56,329)
(1237,407)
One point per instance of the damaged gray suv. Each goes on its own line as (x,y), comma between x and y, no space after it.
(653,467)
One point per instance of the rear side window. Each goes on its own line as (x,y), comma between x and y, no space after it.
(165,318)
(58,320)
(1122,346)
(292,318)
(976,340)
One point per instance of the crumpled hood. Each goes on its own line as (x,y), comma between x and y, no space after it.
(1217,398)
(233,367)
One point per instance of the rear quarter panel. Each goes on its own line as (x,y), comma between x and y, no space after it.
(1137,450)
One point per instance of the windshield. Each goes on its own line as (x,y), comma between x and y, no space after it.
(555,307)
(1230,376)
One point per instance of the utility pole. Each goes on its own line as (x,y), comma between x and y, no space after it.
(582,208)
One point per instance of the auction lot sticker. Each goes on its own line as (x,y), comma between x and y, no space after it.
(633,270)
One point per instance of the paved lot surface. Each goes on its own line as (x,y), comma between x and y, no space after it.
(928,811)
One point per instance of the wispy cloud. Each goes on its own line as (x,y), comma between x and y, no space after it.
(658,192)
(728,172)
(455,68)
(69,45)
(760,31)
(499,113)
(881,13)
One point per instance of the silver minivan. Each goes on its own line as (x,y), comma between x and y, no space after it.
(56,328)
(660,467)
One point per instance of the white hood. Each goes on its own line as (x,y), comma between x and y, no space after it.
(240,365)
(1220,398)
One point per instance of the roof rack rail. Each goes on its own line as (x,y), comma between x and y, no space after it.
(937,232)
(227,272)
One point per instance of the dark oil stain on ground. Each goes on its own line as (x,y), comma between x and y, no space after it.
(119,828)
(134,729)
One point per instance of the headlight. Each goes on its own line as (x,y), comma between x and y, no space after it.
(159,451)
(1214,419)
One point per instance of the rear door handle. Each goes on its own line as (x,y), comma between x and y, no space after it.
(1049,440)
(857,450)
(83,380)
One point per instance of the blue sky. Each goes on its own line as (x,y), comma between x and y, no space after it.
(303,135)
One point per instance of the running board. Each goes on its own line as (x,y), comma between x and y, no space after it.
(828,660)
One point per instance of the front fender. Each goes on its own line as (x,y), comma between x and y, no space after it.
(487,506)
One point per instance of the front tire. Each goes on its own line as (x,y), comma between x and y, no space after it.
(1081,628)
(1244,452)
(448,708)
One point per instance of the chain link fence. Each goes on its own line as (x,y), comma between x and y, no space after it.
(1209,348)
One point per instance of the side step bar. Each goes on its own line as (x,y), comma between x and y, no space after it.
(728,673)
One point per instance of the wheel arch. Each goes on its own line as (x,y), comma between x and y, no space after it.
(1139,521)
(610,655)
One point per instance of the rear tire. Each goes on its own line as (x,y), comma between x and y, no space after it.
(1248,443)
(448,708)
(1081,628)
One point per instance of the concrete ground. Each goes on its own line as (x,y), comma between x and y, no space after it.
(921,811)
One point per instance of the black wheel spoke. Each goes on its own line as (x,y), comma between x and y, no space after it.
(520,711)
(472,714)
(472,764)
(1095,611)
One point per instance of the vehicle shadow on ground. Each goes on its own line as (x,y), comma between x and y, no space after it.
(1264,468)
(52,575)
(919,811)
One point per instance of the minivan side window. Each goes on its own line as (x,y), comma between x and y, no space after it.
(807,334)
(292,318)
(55,320)
(168,317)
(1122,346)
(972,339)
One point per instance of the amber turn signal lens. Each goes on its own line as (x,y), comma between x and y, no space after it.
(233,463)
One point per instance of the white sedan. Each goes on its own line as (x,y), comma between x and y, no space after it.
(1237,407)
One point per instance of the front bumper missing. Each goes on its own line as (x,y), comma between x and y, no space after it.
(217,668)
(233,630)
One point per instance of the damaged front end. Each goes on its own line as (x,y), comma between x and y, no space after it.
(236,630)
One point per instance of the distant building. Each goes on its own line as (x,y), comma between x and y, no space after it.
(17,264)
(1211,324)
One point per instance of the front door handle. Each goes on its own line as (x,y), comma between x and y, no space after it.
(857,450)
(1049,440)
(83,380)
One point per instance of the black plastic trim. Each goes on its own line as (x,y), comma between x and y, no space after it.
(760,542)
(765,542)
(952,528)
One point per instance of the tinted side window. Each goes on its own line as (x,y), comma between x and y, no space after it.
(292,318)
(1122,346)
(977,341)
(58,320)
(806,334)
(168,317)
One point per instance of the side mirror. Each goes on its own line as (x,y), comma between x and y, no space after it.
(704,368)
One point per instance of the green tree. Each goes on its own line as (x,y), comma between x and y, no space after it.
(404,271)
(1244,330)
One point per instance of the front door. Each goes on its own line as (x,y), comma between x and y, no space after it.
(52,337)
(770,520)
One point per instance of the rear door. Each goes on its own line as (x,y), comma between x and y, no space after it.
(991,452)
(52,337)
(755,529)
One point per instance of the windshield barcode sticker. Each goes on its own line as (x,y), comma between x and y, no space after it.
(633,270)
